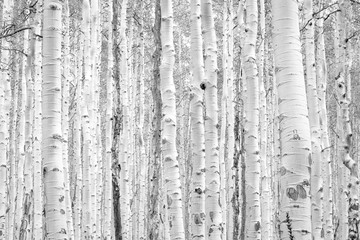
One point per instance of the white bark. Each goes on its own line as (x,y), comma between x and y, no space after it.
(312,96)
(56,227)
(295,206)
(167,87)
(212,199)
(65,118)
(4,121)
(197,127)
(252,159)
(37,138)
(266,210)
(321,74)
(108,213)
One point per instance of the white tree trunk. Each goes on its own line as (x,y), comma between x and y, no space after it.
(252,159)
(312,96)
(266,210)
(4,121)
(295,206)
(167,87)
(37,138)
(108,213)
(197,214)
(56,227)
(321,72)
(212,199)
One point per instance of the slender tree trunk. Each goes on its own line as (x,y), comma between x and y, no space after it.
(4,122)
(142,129)
(224,127)
(108,78)
(312,96)
(197,127)
(167,87)
(37,138)
(55,216)
(266,211)
(295,205)
(343,83)
(153,230)
(252,160)
(229,179)
(65,118)
(212,199)
(321,72)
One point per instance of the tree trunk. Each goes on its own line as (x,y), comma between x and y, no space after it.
(312,97)
(167,88)
(197,127)
(252,160)
(55,216)
(295,205)
(321,74)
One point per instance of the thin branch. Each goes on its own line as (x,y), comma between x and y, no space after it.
(325,18)
(15,32)
(352,35)
(16,50)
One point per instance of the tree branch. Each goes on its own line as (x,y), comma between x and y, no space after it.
(15,32)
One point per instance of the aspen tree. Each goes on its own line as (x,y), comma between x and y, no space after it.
(312,96)
(252,160)
(212,194)
(182,130)
(224,128)
(340,177)
(65,117)
(168,136)
(349,221)
(20,135)
(94,115)
(36,74)
(295,206)
(230,168)
(97,188)
(197,127)
(126,136)
(115,149)
(86,99)
(142,132)
(4,120)
(13,143)
(321,75)
(108,71)
(26,228)
(54,193)
(77,148)
(242,88)
(153,230)
(266,228)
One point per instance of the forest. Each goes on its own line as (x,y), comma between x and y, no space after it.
(179,119)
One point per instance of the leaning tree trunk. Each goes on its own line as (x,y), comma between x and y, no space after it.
(295,205)
(167,88)
(55,217)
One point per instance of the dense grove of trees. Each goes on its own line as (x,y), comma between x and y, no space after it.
(179,119)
